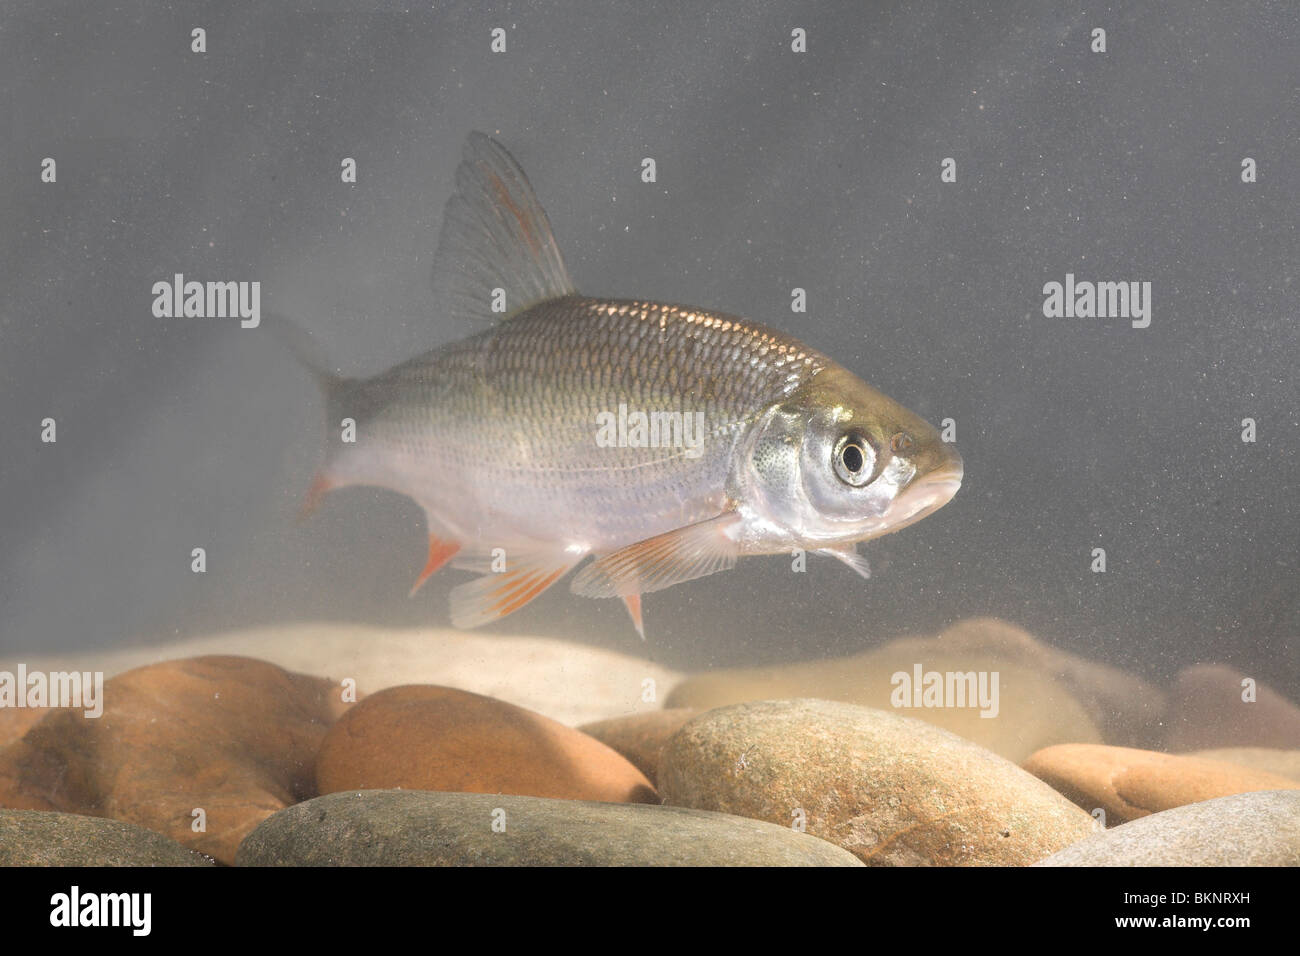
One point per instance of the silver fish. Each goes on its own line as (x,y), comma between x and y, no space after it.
(666,441)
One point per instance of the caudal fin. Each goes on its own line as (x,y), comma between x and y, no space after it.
(307,350)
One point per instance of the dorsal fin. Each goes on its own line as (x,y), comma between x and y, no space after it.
(495,235)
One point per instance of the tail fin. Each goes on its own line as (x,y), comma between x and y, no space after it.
(305,348)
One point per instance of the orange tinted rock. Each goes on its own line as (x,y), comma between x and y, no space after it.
(641,737)
(438,738)
(1129,783)
(16,721)
(1208,711)
(232,736)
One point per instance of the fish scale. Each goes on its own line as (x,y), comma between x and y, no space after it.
(456,416)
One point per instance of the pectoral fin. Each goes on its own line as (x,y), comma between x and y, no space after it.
(660,562)
(849,555)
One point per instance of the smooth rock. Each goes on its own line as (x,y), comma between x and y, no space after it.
(892,790)
(439,738)
(1261,828)
(233,737)
(1036,706)
(16,721)
(569,682)
(1284,763)
(420,828)
(641,737)
(1207,711)
(1129,783)
(35,838)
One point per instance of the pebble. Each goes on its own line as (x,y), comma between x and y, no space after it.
(420,828)
(641,737)
(891,790)
(232,738)
(1207,711)
(1127,783)
(438,738)
(1036,705)
(1284,763)
(36,838)
(1261,828)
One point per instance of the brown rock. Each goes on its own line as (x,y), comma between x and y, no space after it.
(232,736)
(1284,763)
(1129,783)
(16,721)
(1207,711)
(437,738)
(891,790)
(641,737)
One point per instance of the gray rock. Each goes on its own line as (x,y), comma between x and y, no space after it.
(1261,828)
(46,838)
(891,790)
(425,828)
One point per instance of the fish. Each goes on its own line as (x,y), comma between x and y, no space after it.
(658,443)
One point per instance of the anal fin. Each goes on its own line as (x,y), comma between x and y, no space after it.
(440,552)
(492,596)
(320,487)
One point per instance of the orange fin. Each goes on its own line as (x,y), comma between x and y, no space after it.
(660,562)
(633,602)
(493,596)
(440,552)
(320,487)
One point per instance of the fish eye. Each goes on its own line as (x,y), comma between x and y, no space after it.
(853,460)
(901,442)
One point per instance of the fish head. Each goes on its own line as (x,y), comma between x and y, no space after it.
(837,462)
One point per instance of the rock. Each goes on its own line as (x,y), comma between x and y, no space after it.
(16,721)
(1261,828)
(892,790)
(233,737)
(1036,704)
(439,738)
(34,838)
(1126,709)
(640,737)
(419,828)
(1129,783)
(1207,711)
(569,682)
(1284,763)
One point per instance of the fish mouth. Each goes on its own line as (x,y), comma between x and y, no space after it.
(925,496)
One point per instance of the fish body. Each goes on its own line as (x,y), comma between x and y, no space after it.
(664,440)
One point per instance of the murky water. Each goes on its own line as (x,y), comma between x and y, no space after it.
(923,175)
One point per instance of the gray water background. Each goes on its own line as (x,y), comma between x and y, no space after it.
(775,170)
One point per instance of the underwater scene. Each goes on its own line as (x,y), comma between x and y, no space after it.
(649,434)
